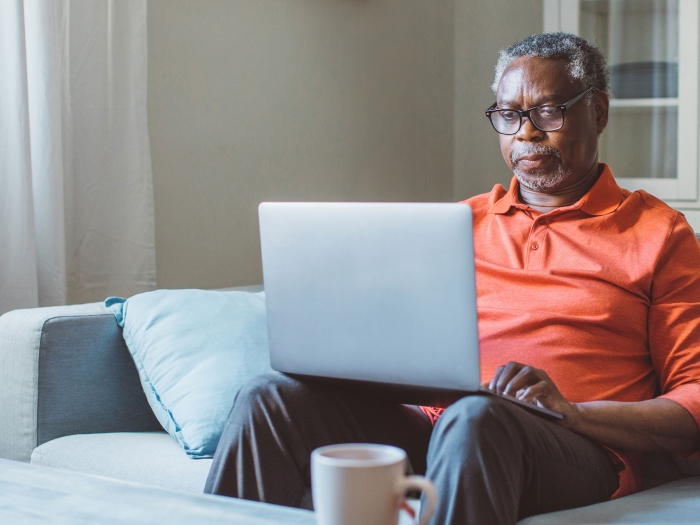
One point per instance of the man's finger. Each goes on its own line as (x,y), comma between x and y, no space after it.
(536,391)
(494,380)
(526,377)
(510,371)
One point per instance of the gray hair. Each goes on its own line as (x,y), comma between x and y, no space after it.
(584,61)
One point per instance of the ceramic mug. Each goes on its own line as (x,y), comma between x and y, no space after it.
(364,484)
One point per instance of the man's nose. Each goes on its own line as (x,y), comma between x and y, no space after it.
(528,132)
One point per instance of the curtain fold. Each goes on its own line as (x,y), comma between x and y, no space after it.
(44,25)
(76,195)
(18,278)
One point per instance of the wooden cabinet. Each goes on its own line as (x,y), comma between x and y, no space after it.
(651,142)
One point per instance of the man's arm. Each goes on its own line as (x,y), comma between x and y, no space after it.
(649,426)
(654,425)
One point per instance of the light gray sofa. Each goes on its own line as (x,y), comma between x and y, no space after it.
(70,397)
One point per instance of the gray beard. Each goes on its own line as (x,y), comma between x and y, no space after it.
(538,180)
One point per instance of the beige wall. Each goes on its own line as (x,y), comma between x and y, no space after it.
(369,100)
(255,100)
(482,28)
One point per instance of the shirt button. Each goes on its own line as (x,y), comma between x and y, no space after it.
(534,246)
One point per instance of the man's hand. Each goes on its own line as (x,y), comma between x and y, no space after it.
(654,425)
(533,385)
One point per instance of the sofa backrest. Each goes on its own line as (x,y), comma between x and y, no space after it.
(88,382)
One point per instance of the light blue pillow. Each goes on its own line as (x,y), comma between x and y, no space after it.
(194,349)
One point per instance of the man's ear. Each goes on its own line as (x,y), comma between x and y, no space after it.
(601,104)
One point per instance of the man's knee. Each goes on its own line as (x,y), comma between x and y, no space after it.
(476,418)
(267,390)
(263,383)
(275,396)
(475,410)
(262,401)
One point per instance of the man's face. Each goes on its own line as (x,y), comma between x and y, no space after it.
(550,162)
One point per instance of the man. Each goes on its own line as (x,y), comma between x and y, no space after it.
(588,305)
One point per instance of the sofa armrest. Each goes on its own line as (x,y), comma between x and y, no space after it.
(66,370)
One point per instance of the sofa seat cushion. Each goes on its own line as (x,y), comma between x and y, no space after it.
(144,457)
(673,503)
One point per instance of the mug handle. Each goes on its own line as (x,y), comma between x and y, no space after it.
(424,485)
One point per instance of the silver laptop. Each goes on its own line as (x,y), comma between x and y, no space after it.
(379,297)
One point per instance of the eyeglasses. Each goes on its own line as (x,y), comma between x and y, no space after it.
(545,118)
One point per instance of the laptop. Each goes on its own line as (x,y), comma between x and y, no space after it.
(379,297)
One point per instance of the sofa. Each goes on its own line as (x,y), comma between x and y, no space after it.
(70,398)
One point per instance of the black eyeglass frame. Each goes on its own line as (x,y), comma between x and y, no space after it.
(525,113)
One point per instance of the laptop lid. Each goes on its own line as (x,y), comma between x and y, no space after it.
(372,292)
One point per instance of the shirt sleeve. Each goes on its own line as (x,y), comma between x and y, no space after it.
(674,318)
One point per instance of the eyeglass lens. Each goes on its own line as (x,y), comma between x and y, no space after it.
(546,118)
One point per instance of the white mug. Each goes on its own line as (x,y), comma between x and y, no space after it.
(363,484)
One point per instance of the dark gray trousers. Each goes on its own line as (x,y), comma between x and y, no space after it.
(491,461)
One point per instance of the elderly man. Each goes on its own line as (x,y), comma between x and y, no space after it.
(588,305)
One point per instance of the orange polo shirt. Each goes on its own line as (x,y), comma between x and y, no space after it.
(604,295)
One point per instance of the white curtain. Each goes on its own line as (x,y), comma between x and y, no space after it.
(76,193)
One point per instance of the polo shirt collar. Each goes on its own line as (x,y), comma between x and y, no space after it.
(603,198)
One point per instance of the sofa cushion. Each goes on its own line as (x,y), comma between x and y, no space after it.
(193,350)
(145,457)
(674,503)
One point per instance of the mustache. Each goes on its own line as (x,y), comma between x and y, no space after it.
(533,149)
